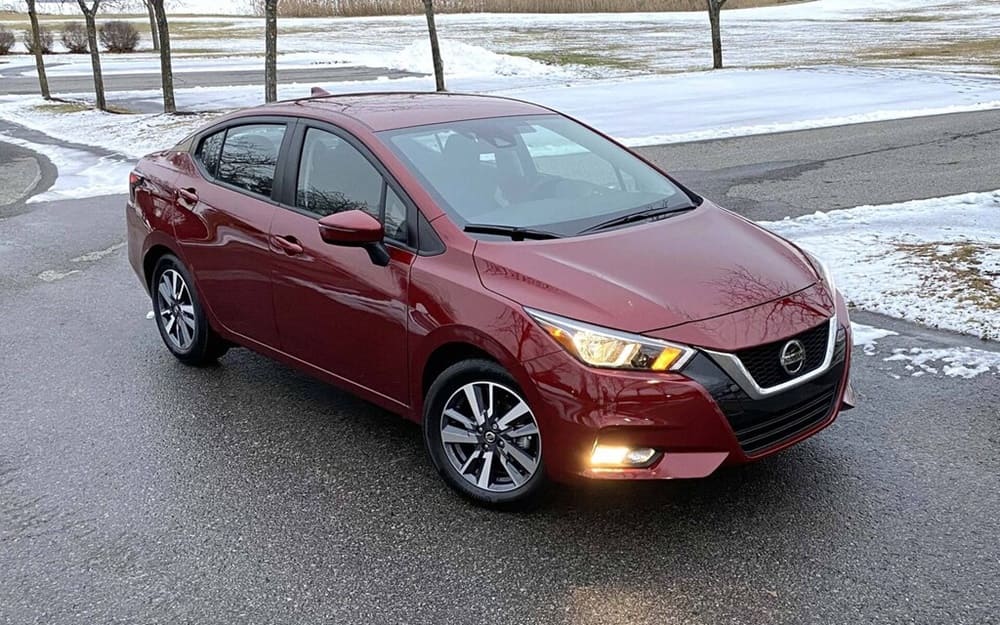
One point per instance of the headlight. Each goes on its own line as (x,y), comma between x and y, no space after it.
(603,347)
(823,271)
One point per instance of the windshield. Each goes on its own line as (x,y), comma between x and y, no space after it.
(542,172)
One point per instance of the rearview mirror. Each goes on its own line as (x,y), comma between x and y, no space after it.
(355,228)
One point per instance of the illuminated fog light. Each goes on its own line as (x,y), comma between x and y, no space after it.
(641,455)
(612,456)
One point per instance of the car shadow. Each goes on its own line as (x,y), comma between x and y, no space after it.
(313,440)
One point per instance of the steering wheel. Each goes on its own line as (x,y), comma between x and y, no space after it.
(542,187)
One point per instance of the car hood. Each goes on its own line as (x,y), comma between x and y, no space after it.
(689,267)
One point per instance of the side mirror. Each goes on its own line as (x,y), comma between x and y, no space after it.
(355,228)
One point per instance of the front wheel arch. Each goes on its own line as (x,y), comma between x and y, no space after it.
(447,345)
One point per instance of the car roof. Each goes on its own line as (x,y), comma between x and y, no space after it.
(390,111)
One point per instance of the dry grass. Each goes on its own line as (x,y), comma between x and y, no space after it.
(360,8)
(12,16)
(209,30)
(62,107)
(902,19)
(579,57)
(985,51)
(958,271)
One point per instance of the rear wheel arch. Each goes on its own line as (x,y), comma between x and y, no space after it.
(158,250)
(149,260)
(179,314)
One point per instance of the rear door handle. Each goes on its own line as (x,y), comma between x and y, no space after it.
(288,244)
(188,197)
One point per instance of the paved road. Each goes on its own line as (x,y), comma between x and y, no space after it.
(771,176)
(21,174)
(136,490)
(13,83)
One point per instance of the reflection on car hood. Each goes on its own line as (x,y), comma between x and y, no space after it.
(691,267)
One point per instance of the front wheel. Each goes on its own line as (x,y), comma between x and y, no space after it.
(179,316)
(482,436)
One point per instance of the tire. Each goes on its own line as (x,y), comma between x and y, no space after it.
(505,442)
(180,317)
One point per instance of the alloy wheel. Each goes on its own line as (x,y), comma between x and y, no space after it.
(176,309)
(491,437)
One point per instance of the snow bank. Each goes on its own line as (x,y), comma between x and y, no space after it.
(80,174)
(653,109)
(130,135)
(935,262)
(463,61)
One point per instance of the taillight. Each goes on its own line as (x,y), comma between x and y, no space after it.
(134,180)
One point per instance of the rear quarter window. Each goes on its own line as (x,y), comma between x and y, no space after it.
(209,152)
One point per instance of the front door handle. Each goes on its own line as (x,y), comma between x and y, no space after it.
(187,197)
(287,244)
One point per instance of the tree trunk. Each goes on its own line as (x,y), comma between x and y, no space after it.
(714,8)
(153,30)
(271,50)
(435,49)
(166,67)
(90,17)
(43,80)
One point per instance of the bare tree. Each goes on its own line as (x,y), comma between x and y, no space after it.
(90,17)
(43,80)
(151,11)
(271,50)
(435,49)
(714,9)
(161,32)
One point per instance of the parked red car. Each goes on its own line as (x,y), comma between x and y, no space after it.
(544,301)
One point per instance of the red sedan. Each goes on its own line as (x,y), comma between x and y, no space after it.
(548,304)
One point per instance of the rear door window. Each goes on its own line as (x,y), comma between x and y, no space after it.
(250,156)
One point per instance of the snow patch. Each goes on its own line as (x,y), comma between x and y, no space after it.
(90,257)
(51,275)
(955,362)
(866,337)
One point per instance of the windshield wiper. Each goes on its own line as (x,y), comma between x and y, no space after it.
(658,209)
(516,233)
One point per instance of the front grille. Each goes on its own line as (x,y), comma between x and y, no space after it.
(765,434)
(764,361)
(762,424)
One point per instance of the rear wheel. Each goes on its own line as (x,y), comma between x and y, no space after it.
(180,317)
(482,436)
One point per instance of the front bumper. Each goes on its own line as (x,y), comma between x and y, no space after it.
(698,419)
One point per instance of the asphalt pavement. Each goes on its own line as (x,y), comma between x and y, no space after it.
(768,177)
(23,173)
(136,490)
